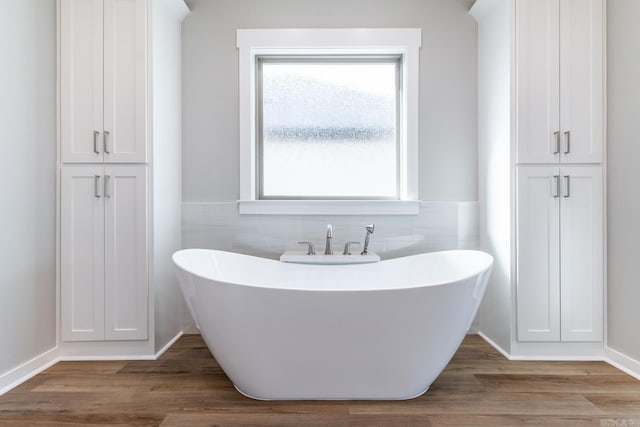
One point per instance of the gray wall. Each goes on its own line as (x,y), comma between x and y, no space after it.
(623,176)
(166,168)
(495,153)
(448,126)
(27,180)
(448,107)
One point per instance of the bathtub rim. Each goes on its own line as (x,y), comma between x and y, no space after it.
(487,266)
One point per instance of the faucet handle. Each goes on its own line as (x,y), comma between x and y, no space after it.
(310,249)
(347,247)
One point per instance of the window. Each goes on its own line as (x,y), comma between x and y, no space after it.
(328,127)
(328,117)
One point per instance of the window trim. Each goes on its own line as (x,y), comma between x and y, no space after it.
(253,43)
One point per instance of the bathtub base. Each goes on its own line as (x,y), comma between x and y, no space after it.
(377,331)
(328,398)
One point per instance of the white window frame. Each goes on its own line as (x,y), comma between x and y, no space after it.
(255,42)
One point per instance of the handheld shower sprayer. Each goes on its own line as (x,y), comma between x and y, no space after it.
(369,229)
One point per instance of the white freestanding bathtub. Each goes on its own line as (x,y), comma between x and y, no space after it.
(370,331)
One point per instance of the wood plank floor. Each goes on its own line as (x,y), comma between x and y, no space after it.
(186,387)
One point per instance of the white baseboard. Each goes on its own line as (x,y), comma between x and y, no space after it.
(613,357)
(494,345)
(109,358)
(13,378)
(27,370)
(550,351)
(168,345)
(108,350)
(623,362)
(112,350)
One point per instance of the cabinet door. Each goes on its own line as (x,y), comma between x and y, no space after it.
(81,112)
(582,254)
(82,254)
(581,83)
(125,91)
(126,266)
(537,248)
(537,81)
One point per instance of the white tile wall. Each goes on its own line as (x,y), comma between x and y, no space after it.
(438,226)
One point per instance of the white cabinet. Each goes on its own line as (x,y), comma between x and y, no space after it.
(103,56)
(541,172)
(104,253)
(538,254)
(82,254)
(559,81)
(559,253)
(119,297)
(103,119)
(582,253)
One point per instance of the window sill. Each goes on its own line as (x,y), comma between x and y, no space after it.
(329,207)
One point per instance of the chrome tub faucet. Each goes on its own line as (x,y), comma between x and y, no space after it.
(328,250)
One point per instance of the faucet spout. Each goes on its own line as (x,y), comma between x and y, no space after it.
(328,250)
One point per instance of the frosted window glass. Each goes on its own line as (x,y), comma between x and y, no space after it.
(329,130)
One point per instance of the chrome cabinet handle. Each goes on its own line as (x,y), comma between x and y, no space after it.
(567,183)
(567,136)
(310,249)
(107,182)
(347,247)
(95,142)
(556,178)
(105,142)
(557,135)
(96,186)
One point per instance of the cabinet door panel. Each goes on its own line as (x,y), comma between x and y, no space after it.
(538,269)
(81,81)
(582,254)
(537,80)
(126,277)
(125,114)
(581,82)
(82,254)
